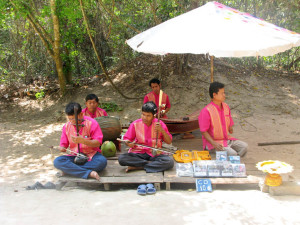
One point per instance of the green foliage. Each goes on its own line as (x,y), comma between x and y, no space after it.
(110,106)
(23,55)
(40,95)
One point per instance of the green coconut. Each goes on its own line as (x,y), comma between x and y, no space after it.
(108,149)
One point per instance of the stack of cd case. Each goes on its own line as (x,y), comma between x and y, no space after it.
(214,168)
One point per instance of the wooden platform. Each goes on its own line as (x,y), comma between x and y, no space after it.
(115,174)
(171,177)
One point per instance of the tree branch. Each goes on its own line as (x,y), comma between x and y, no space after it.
(33,23)
(95,50)
(117,18)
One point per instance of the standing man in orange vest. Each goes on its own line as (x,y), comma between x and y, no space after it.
(144,131)
(154,97)
(89,139)
(216,124)
(92,110)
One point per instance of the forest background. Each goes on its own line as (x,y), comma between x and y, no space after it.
(69,42)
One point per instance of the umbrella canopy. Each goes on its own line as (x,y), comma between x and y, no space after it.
(218,30)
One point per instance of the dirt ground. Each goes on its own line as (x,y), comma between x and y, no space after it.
(265,107)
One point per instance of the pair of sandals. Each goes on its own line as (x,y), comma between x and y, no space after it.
(38,185)
(146,189)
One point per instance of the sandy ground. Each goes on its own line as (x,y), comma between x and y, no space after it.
(166,207)
(265,108)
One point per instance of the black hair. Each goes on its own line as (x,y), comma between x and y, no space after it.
(70,108)
(154,81)
(214,87)
(91,97)
(149,107)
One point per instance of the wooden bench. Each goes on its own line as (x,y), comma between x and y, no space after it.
(252,178)
(115,174)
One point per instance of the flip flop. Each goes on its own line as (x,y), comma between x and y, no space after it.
(150,189)
(36,186)
(141,190)
(49,185)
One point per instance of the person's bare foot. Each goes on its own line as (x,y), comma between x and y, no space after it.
(94,175)
(61,174)
(129,168)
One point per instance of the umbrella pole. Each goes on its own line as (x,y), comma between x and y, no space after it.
(211,68)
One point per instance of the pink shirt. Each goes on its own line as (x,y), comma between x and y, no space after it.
(95,134)
(168,104)
(206,125)
(131,134)
(94,115)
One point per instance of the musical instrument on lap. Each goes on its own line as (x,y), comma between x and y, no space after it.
(71,152)
(165,150)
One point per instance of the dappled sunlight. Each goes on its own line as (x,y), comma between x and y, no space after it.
(34,105)
(292,97)
(16,167)
(235,207)
(119,77)
(34,136)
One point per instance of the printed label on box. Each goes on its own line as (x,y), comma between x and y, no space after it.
(221,155)
(203,185)
(239,170)
(235,159)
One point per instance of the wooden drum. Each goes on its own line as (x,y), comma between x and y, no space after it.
(110,126)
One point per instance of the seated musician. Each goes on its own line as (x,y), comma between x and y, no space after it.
(92,110)
(143,131)
(154,96)
(89,140)
(216,124)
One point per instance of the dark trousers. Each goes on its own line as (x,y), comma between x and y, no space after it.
(150,164)
(66,164)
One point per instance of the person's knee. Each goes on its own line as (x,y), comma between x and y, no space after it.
(102,163)
(122,160)
(169,162)
(57,163)
(232,153)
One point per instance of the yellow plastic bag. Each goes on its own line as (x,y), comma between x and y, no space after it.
(186,156)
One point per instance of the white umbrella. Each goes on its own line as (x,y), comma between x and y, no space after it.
(218,30)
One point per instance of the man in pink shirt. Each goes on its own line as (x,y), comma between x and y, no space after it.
(92,110)
(144,131)
(216,124)
(154,96)
(89,140)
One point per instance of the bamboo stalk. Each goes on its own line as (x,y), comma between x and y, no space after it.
(211,68)
(279,143)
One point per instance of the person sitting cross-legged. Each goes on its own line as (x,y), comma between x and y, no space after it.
(89,139)
(216,124)
(144,131)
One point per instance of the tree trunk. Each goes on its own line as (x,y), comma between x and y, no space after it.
(67,67)
(56,49)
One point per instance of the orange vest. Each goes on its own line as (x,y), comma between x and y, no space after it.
(141,139)
(218,133)
(71,130)
(151,97)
